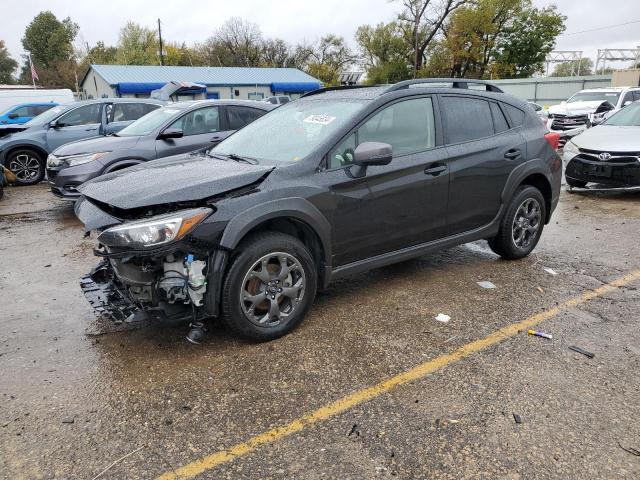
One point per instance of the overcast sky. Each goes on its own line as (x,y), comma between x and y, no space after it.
(296,20)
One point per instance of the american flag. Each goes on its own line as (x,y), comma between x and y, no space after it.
(34,74)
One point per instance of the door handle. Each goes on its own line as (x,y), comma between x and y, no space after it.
(512,154)
(435,170)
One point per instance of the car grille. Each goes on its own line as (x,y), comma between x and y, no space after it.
(569,122)
(620,158)
(51,174)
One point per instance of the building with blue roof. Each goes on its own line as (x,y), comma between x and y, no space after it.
(218,82)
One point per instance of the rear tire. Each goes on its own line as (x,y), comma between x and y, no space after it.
(27,165)
(269,287)
(522,224)
(575,183)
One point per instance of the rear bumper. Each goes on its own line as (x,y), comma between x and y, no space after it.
(605,173)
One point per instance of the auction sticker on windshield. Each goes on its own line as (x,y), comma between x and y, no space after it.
(319,119)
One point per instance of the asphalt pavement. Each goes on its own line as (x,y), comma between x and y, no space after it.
(370,386)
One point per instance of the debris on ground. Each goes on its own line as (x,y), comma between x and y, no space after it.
(441,317)
(354,430)
(583,352)
(537,333)
(550,271)
(630,450)
(517,418)
(540,289)
(486,284)
(68,420)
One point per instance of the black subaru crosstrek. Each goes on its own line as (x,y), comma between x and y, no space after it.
(335,183)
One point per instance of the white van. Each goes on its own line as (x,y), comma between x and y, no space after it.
(11,98)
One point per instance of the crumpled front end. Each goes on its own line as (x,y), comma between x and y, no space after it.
(168,276)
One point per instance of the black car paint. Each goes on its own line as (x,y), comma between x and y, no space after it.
(125,151)
(392,213)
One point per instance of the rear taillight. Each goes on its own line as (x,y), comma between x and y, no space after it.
(553,139)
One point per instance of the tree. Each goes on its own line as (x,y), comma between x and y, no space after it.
(50,43)
(277,53)
(137,45)
(237,43)
(421,21)
(584,66)
(527,41)
(7,65)
(384,53)
(326,59)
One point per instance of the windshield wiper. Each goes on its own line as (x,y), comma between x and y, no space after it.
(235,157)
(114,134)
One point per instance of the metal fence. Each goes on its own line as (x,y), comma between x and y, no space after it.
(551,90)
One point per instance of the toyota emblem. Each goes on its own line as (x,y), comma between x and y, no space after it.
(604,156)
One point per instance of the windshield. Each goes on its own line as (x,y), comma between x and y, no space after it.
(148,123)
(627,117)
(611,97)
(47,116)
(290,132)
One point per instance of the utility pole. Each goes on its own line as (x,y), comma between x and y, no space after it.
(160,38)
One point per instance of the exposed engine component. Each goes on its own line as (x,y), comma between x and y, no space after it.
(183,280)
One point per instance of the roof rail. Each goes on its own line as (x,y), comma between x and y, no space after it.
(462,83)
(330,89)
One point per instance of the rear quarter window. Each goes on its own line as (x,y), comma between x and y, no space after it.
(515,114)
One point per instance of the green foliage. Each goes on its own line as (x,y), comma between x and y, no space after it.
(584,66)
(50,42)
(137,45)
(384,53)
(527,41)
(7,65)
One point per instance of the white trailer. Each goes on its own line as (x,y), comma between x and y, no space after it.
(11,98)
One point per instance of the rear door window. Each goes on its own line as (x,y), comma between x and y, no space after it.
(240,117)
(124,112)
(466,118)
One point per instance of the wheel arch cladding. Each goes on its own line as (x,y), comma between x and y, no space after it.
(293,216)
(27,146)
(541,182)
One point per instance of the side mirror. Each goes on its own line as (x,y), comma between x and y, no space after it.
(372,153)
(54,124)
(171,133)
(627,103)
(15,115)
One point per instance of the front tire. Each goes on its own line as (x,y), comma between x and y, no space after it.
(521,226)
(270,286)
(27,165)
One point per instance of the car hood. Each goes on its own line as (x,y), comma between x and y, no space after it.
(575,108)
(609,138)
(98,144)
(172,180)
(6,130)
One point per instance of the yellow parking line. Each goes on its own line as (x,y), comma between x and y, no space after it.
(211,461)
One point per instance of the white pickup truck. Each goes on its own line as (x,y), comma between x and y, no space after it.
(587,108)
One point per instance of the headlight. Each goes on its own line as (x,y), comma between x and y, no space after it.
(571,148)
(155,230)
(52,161)
(85,158)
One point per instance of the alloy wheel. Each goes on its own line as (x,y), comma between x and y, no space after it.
(526,223)
(272,289)
(25,166)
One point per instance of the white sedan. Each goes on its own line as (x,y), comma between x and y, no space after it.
(608,154)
